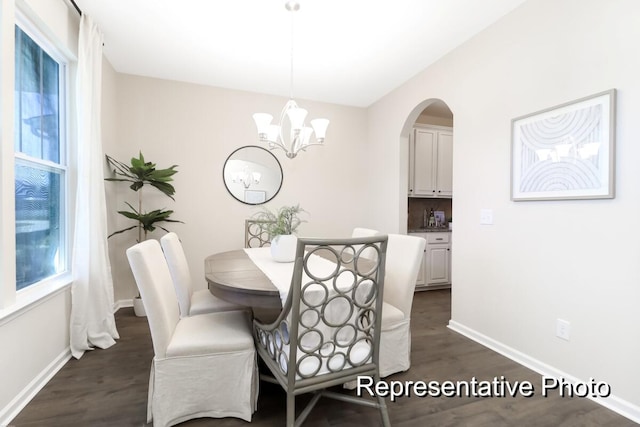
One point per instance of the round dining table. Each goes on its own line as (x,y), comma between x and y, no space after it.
(233,277)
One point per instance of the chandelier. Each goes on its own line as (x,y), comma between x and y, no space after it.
(246,177)
(291,135)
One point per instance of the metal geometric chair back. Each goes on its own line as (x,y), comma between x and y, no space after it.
(328,332)
(256,234)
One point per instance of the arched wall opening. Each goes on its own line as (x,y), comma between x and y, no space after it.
(432,111)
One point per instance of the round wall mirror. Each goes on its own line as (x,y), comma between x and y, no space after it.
(252,175)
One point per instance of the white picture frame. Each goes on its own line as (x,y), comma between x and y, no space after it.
(565,152)
(255,197)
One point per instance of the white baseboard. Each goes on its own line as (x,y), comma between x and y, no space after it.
(122,304)
(14,407)
(612,402)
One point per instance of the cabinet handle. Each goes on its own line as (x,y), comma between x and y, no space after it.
(439,238)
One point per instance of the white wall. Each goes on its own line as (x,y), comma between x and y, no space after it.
(197,128)
(575,260)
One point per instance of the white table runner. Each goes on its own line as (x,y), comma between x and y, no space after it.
(280,273)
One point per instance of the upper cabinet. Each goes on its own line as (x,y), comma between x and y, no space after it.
(431,162)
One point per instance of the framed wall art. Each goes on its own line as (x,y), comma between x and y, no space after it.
(565,152)
(255,197)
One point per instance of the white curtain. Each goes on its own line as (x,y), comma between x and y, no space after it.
(92,320)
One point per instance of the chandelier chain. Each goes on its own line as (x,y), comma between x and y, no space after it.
(291,61)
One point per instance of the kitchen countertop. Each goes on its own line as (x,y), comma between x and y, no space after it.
(429,230)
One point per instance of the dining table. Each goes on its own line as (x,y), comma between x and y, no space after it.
(235,277)
(250,277)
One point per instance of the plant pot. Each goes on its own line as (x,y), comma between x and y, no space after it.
(138,307)
(283,248)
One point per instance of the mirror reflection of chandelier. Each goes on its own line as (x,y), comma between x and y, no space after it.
(247,178)
(291,135)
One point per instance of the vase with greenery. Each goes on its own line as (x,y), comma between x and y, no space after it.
(140,173)
(281,225)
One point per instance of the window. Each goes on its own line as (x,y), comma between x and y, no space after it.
(40,162)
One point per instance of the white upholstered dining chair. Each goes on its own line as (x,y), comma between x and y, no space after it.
(203,365)
(404,256)
(328,332)
(191,302)
(365,232)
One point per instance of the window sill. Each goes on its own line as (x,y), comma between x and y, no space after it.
(29,298)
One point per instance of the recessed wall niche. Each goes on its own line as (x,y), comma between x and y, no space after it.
(418,206)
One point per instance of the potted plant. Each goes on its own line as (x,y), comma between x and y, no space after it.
(140,173)
(281,226)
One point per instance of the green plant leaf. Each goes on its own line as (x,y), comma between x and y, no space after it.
(285,220)
(140,173)
(167,189)
(163,174)
(122,231)
(130,215)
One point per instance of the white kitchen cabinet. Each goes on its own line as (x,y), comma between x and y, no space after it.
(435,271)
(438,259)
(431,162)
(420,281)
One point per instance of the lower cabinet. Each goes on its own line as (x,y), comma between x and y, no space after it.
(435,270)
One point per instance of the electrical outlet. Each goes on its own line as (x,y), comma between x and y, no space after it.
(563,329)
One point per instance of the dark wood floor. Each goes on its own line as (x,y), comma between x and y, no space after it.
(109,387)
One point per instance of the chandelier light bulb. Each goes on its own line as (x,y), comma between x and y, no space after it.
(292,5)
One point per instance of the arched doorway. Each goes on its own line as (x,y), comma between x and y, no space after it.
(434,112)
(427,156)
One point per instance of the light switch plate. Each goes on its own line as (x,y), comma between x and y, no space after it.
(563,329)
(486,216)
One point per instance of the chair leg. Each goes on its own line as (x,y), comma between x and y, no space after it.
(307,409)
(382,404)
(291,410)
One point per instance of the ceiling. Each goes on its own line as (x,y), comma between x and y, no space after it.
(350,52)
